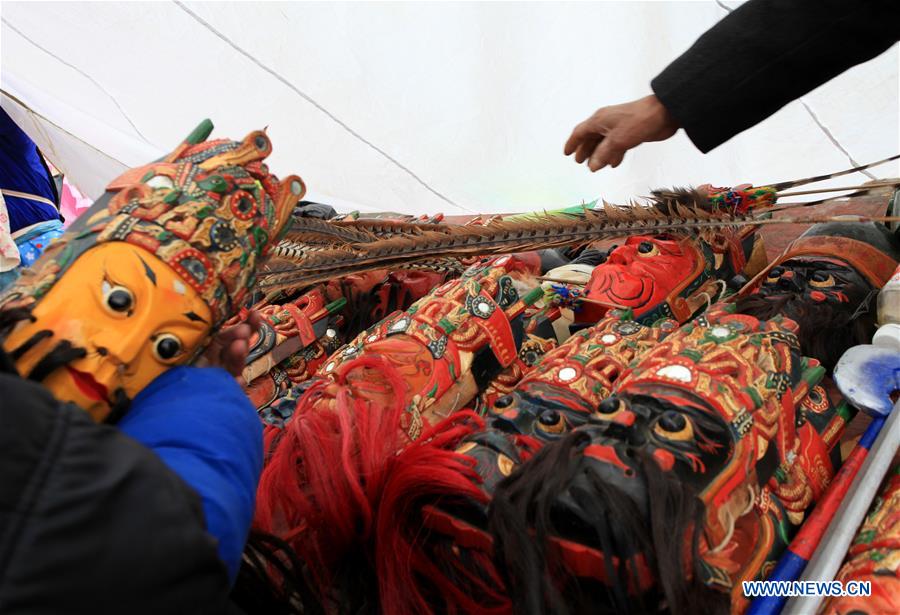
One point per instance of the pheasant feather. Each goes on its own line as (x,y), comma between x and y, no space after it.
(547,231)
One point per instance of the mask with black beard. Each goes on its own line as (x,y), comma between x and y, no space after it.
(830,301)
(59,355)
(826,281)
(687,481)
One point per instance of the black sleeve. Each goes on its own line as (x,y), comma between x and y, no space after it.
(93,522)
(766,54)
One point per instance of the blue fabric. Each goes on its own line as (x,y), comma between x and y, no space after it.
(33,243)
(22,169)
(203,426)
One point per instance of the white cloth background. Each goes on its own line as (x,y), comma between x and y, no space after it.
(423,107)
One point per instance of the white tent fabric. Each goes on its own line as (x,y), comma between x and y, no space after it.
(412,107)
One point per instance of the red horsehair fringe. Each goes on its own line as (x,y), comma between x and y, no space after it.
(334,485)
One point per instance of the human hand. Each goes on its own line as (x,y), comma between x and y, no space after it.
(611,131)
(229,348)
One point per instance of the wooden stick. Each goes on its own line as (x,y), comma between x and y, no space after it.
(841,189)
(544,278)
(611,306)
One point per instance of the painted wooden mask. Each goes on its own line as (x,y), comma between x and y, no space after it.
(826,281)
(140,281)
(706,444)
(661,276)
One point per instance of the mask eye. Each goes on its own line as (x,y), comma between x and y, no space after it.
(820,279)
(117,300)
(504,402)
(551,421)
(608,408)
(647,248)
(775,274)
(166,347)
(673,425)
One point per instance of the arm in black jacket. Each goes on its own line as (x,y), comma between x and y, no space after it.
(766,54)
(93,522)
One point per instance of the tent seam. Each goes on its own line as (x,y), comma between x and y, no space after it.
(83,74)
(318,106)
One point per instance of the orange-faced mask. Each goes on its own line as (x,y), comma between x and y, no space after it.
(140,282)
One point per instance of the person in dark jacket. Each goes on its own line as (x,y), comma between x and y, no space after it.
(91,521)
(762,56)
(160,505)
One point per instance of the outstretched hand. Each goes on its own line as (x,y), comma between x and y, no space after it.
(229,348)
(611,131)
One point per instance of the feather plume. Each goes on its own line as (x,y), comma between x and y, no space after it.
(390,228)
(315,231)
(547,231)
(690,197)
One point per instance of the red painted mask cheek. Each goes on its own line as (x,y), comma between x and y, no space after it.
(664,459)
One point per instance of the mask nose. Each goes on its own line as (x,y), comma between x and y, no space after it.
(633,435)
(122,349)
(507,422)
(789,283)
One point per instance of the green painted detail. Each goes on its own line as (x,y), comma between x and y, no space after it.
(65,255)
(336,305)
(709,338)
(412,309)
(813,376)
(780,475)
(452,371)
(244,258)
(754,395)
(204,212)
(172,197)
(164,236)
(583,360)
(214,183)
(782,531)
(533,296)
(201,132)
(865,537)
(433,391)
(756,340)
(847,412)
(877,556)
(694,355)
(446,326)
(148,176)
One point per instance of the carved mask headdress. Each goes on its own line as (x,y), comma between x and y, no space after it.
(691,476)
(140,281)
(826,281)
